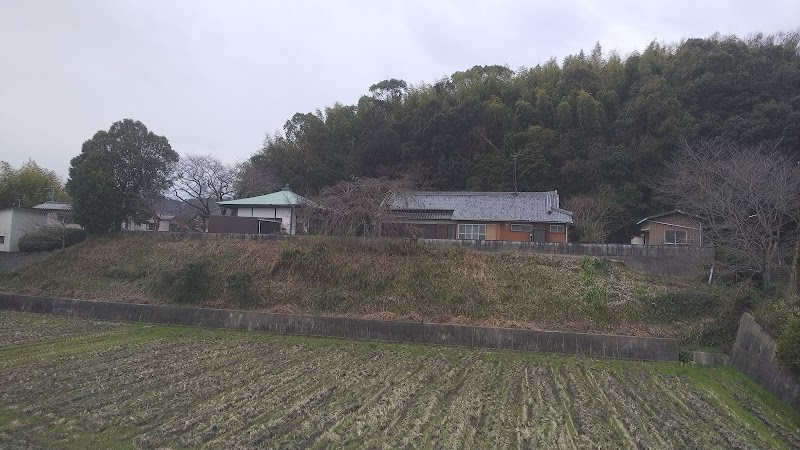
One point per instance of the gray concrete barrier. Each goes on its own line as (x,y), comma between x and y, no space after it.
(596,345)
(754,354)
(677,261)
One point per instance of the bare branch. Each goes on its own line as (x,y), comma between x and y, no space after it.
(748,197)
(594,214)
(354,208)
(201,181)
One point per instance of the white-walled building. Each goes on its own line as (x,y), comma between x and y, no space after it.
(166,222)
(273,211)
(17,222)
(57,212)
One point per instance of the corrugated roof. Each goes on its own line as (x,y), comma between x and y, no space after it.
(486,206)
(54,206)
(284,197)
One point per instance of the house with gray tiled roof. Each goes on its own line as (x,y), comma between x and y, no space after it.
(505,216)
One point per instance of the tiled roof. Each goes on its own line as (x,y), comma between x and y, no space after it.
(485,206)
(283,197)
(423,215)
(54,206)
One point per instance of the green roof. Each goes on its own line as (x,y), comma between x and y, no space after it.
(283,197)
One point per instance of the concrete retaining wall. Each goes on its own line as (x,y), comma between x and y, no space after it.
(754,354)
(661,260)
(597,345)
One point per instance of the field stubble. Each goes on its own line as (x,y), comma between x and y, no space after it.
(85,384)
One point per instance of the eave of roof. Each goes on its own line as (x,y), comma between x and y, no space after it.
(656,216)
(54,206)
(280,198)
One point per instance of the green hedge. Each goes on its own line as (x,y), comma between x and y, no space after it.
(788,352)
(48,239)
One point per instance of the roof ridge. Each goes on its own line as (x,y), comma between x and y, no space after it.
(481,192)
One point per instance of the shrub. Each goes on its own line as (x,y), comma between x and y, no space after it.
(677,305)
(596,295)
(51,238)
(788,352)
(327,300)
(238,286)
(315,264)
(406,248)
(591,267)
(716,312)
(188,284)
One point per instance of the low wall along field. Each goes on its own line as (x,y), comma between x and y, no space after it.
(607,346)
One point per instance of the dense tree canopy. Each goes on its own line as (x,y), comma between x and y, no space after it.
(118,176)
(29,185)
(593,123)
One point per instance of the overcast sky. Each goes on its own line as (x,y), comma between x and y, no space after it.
(216,76)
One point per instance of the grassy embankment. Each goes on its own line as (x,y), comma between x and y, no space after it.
(393,280)
(71,383)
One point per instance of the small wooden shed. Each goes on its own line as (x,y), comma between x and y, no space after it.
(669,228)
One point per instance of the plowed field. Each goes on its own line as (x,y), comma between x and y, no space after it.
(69,383)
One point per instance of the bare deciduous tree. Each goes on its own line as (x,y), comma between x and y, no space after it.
(201,181)
(254,178)
(749,198)
(354,208)
(594,214)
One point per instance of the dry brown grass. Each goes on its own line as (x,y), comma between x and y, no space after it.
(383,280)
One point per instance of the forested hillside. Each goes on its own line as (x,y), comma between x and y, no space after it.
(597,125)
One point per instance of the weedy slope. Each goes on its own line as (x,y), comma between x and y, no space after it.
(382,279)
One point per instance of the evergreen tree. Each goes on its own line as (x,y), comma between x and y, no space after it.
(128,166)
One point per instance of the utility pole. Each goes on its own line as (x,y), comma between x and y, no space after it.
(515,156)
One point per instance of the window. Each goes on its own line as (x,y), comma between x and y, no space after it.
(151,227)
(2,239)
(521,227)
(557,228)
(469,231)
(675,237)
